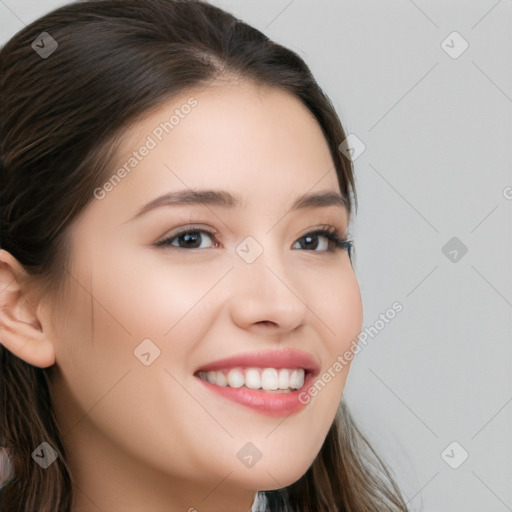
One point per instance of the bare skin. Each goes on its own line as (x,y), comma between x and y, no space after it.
(154,438)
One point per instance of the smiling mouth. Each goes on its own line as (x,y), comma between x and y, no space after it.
(282,380)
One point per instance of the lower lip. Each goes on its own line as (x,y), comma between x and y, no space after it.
(268,403)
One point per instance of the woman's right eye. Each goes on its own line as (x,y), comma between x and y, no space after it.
(189,239)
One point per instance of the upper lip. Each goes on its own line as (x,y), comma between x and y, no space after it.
(284,358)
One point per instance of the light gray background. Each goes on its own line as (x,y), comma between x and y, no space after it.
(437,164)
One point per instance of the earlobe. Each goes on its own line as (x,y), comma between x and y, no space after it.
(21,331)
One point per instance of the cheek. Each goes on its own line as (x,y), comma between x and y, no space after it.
(153,295)
(335,299)
(90,352)
(102,386)
(337,304)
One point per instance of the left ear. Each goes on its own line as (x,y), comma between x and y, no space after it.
(21,329)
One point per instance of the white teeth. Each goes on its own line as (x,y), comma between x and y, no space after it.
(235,378)
(284,379)
(253,379)
(268,379)
(220,379)
(211,377)
(214,377)
(297,379)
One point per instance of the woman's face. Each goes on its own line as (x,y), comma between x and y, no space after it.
(156,294)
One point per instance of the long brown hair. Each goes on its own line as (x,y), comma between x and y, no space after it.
(61,116)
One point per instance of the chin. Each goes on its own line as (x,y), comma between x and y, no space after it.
(270,477)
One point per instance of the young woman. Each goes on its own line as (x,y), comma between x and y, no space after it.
(178,304)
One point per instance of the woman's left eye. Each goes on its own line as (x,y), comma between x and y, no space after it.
(322,240)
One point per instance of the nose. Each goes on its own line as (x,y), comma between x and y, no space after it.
(265,296)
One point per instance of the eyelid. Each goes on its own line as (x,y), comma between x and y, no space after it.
(324,227)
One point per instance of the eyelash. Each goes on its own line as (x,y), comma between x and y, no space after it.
(329,232)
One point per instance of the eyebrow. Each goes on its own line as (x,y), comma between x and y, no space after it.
(226,199)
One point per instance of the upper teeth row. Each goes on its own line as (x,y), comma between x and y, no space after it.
(257,378)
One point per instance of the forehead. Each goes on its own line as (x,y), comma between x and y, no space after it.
(231,133)
(259,144)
